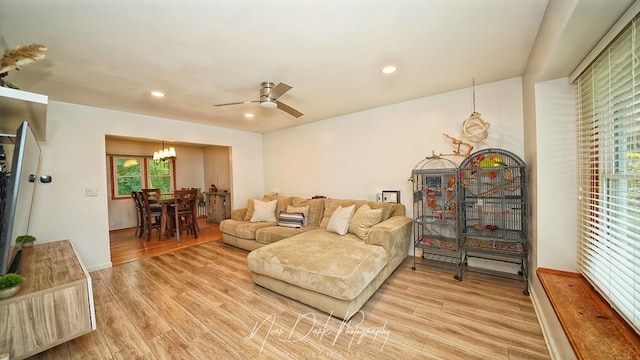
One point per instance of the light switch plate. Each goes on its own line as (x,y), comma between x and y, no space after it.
(91,191)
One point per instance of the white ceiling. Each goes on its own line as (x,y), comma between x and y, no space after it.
(111,53)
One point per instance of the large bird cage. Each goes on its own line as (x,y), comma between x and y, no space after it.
(435,211)
(493,211)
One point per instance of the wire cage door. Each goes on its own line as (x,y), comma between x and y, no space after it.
(435,210)
(493,210)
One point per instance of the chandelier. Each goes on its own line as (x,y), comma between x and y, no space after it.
(165,154)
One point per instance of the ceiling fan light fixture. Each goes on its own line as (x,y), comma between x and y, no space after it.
(269,104)
(269,95)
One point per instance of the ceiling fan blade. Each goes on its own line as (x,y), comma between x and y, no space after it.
(279,89)
(288,109)
(238,103)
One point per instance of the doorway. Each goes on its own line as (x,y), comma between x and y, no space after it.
(195,166)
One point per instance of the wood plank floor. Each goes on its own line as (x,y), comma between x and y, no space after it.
(200,303)
(125,246)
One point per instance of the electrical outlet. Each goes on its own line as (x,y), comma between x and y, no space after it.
(91,191)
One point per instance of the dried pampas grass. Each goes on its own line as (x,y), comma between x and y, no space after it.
(22,55)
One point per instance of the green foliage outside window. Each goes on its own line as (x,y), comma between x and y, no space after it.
(128,175)
(160,175)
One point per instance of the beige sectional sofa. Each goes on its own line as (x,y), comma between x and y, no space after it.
(334,273)
(240,232)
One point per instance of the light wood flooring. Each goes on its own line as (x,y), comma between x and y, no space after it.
(125,246)
(200,303)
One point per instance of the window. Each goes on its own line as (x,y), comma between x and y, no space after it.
(130,173)
(128,176)
(160,175)
(608,152)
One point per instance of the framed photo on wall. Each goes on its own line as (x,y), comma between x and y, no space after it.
(391,196)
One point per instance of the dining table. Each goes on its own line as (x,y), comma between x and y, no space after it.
(166,228)
(165,200)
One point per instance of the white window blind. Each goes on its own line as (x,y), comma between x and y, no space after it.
(608,141)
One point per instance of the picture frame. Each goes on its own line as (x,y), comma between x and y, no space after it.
(391,196)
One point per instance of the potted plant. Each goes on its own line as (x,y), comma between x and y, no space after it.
(10,284)
(25,241)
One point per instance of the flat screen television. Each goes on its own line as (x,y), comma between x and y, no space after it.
(17,185)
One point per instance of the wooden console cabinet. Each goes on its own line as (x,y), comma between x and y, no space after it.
(218,206)
(54,305)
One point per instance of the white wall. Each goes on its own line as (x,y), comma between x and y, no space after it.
(541,143)
(551,142)
(189,167)
(351,156)
(217,167)
(74,154)
(557,175)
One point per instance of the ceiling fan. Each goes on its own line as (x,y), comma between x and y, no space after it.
(269,95)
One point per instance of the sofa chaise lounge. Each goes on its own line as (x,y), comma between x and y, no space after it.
(334,271)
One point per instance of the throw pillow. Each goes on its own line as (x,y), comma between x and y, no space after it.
(264,211)
(363,219)
(291,219)
(316,209)
(249,213)
(330,205)
(283,202)
(339,221)
(387,209)
(300,209)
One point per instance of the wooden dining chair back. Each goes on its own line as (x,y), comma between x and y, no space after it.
(152,212)
(137,201)
(199,209)
(152,194)
(184,216)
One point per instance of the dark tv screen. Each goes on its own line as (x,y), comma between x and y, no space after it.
(17,184)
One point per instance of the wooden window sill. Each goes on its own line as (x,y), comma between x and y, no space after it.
(593,328)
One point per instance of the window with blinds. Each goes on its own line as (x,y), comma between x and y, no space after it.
(608,156)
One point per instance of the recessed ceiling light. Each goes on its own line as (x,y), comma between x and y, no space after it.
(388,69)
(157,93)
(248,115)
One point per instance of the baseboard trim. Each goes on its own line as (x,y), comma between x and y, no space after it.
(100,266)
(552,345)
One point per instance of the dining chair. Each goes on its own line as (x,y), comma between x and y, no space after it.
(152,212)
(153,194)
(184,215)
(137,201)
(199,209)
